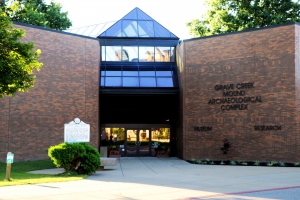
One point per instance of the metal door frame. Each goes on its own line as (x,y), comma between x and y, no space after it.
(139,142)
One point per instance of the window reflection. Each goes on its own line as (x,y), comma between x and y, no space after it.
(113,81)
(146,28)
(132,53)
(164,82)
(161,135)
(117,133)
(147,82)
(137,54)
(172,54)
(162,54)
(130,28)
(146,54)
(147,73)
(130,73)
(164,73)
(103,53)
(112,54)
(133,76)
(130,82)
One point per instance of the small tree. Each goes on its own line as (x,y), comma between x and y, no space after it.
(17,59)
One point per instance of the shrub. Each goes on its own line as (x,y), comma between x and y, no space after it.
(79,157)
(198,161)
(232,162)
(226,146)
(256,163)
(272,163)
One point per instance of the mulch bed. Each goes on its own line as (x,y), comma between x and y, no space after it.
(242,163)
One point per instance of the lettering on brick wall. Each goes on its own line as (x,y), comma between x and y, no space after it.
(267,128)
(234,96)
(202,128)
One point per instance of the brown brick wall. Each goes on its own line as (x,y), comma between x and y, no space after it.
(265,57)
(66,87)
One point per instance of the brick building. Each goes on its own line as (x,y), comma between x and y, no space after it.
(148,87)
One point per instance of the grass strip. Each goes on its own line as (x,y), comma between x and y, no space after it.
(19,175)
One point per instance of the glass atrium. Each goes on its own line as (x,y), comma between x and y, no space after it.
(138,52)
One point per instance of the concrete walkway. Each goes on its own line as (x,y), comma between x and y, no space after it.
(168,178)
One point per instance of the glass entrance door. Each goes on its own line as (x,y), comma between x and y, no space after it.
(144,143)
(138,142)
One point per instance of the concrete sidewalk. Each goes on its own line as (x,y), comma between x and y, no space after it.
(168,178)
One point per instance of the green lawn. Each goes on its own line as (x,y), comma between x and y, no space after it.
(19,175)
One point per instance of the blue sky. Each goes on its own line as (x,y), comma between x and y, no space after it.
(172,14)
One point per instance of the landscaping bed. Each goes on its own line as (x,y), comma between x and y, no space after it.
(242,163)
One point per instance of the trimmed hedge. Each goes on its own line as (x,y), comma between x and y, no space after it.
(80,157)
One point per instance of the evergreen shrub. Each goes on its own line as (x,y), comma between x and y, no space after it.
(80,157)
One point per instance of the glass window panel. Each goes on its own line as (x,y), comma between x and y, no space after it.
(161,135)
(121,55)
(145,28)
(143,16)
(130,28)
(172,54)
(147,73)
(114,30)
(113,73)
(117,135)
(102,81)
(113,81)
(102,53)
(160,31)
(113,53)
(132,52)
(146,54)
(147,82)
(164,82)
(162,54)
(130,73)
(130,82)
(103,73)
(164,73)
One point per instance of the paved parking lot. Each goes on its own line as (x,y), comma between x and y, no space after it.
(168,178)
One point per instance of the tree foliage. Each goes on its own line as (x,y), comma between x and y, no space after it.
(224,16)
(17,59)
(37,12)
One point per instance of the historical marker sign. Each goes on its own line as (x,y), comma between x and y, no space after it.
(76,131)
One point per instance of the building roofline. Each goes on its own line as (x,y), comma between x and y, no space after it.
(53,30)
(243,31)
